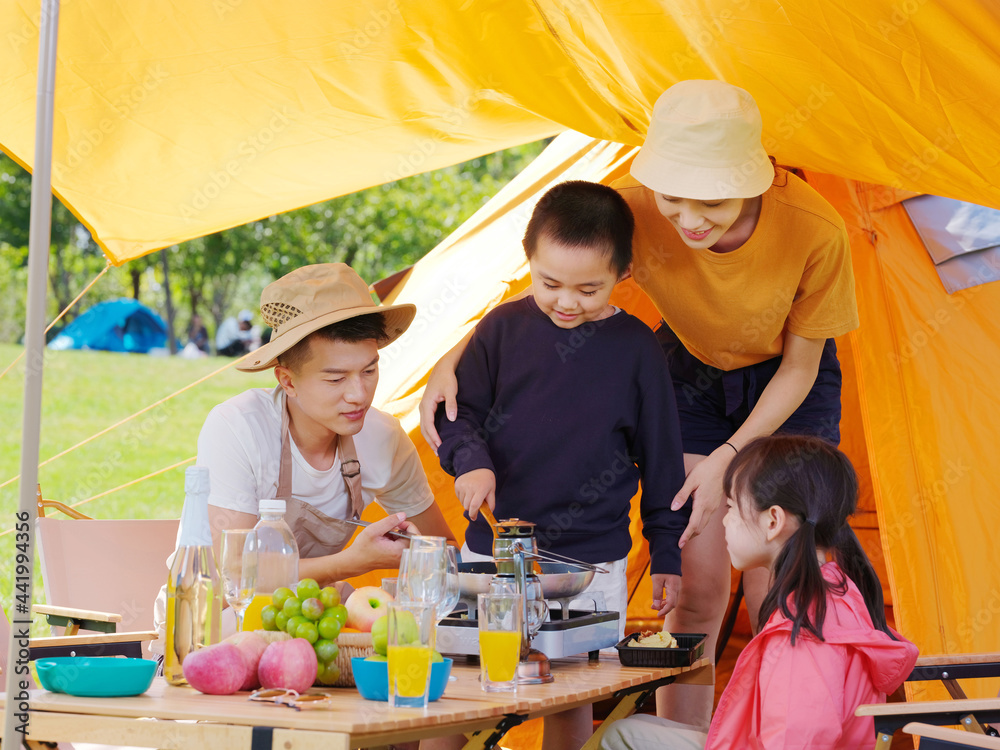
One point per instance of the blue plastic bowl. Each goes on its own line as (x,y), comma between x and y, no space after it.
(95,676)
(372,678)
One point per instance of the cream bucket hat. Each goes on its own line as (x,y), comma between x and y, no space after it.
(704,144)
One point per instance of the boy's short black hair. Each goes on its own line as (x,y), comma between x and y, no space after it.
(584,214)
(352,330)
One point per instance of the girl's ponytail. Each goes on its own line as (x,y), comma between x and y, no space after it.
(798,581)
(851,557)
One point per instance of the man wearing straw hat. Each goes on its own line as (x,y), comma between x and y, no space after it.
(314,440)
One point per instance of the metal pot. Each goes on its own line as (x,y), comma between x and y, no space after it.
(474,579)
(562,580)
(559,580)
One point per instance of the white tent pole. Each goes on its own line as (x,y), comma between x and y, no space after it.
(40,231)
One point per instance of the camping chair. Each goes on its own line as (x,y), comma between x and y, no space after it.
(939,738)
(968,713)
(99,574)
(949,668)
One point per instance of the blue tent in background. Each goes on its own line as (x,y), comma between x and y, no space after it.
(122,325)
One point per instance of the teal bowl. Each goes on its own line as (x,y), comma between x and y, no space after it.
(95,676)
(372,678)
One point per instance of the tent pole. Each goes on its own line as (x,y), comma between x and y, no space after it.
(40,230)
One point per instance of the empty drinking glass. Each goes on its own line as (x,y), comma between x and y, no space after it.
(429,574)
(239,570)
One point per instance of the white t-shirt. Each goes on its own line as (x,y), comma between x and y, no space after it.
(240,444)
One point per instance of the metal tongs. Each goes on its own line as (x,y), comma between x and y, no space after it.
(549,556)
(365,524)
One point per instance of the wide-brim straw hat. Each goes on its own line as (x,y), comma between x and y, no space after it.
(313,297)
(704,143)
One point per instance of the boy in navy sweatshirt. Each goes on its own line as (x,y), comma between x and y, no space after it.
(565,403)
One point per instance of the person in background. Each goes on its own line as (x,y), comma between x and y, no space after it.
(237,336)
(823,647)
(198,334)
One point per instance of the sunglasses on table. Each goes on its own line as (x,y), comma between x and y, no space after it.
(292,699)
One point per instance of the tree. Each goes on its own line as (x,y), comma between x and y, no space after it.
(73,254)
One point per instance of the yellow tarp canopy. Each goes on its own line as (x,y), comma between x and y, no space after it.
(177,119)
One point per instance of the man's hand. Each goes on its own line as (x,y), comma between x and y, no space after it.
(666,589)
(704,486)
(475,488)
(442,385)
(372,549)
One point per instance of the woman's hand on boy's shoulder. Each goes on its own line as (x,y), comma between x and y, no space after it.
(666,589)
(442,385)
(475,488)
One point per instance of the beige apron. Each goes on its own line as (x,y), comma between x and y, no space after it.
(316,533)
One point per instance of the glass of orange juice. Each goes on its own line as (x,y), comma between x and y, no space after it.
(410,647)
(500,618)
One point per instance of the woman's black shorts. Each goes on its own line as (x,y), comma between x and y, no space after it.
(713,403)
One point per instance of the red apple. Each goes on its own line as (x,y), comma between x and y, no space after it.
(216,670)
(290,665)
(364,606)
(252,646)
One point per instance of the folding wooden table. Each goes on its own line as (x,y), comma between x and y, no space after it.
(175,718)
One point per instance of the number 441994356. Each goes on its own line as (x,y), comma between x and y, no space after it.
(22,561)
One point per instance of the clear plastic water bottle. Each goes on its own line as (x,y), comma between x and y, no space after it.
(277,559)
(194,589)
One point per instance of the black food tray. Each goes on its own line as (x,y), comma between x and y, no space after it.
(690,648)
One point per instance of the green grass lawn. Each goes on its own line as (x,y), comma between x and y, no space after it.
(86,392)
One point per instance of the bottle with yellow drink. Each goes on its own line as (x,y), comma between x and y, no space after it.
(251,618)
(410,645)
(194,590)
(500,635)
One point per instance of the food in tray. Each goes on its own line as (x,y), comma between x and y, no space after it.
(651,639)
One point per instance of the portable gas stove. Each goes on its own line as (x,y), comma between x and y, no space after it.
(515,554)
(582,632)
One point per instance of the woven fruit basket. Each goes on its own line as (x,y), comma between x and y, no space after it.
(351,645)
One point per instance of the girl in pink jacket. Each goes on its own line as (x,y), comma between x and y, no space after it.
(823,646)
